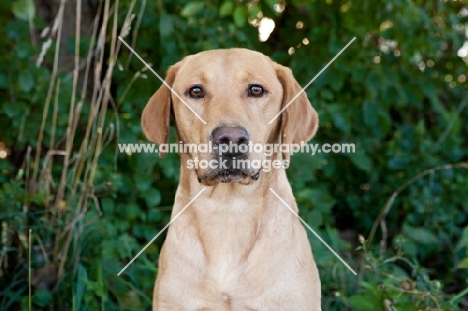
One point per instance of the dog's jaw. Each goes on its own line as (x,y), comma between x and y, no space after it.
(229,176)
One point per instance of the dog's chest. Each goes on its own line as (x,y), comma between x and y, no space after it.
(228,233)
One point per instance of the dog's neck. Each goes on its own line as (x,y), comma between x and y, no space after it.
(233,216)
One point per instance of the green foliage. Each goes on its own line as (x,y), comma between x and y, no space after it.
(24,9)
(398,93)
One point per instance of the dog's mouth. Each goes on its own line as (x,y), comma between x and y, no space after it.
(231,166)
(229,175)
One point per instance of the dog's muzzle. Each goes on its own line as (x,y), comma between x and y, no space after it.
(231,151)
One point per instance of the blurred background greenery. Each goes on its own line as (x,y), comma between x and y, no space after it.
(396,210)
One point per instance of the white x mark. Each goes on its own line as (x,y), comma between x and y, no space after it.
(159,233)
(310,82)
(162,80)
(312,230)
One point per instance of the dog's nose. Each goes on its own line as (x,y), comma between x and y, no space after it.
(231,140)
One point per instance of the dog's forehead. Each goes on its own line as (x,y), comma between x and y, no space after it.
(232,62)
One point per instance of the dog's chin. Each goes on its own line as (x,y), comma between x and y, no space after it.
(228,176)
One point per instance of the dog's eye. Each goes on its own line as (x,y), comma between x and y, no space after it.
(256,91)
(196,92)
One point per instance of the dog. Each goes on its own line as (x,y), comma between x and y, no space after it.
(236,246)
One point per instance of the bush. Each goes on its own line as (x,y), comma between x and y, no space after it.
(76,210)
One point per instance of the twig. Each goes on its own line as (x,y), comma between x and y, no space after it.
(135,30)
(59,21)
(449,127)
(388,205)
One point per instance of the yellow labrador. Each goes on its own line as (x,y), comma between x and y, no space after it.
(237,246)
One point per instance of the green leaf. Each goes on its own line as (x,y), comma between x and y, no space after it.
(361,161)
(80,287)
(24,9)
(143,181)
(405,306)
(271,4)
(337,82)
(153,215)
(133,211)
(3,81)
(254,10)
(389,75)
(369,111)
(26,81)
(192,8)
(42,298)
(10,109)
(464,239)
(373,84)
(226,8)
(372,289)
(153,197)
(326,94)
(385,123)
(342,122)
(363,303)
(322,200)
(410,248)
(431,92)
(127,245)
(240,16)
(420,235)
(166,25)
(314,218)
(107,206)
(463,264)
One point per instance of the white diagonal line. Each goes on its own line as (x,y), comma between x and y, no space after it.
(159,233)
(312,230)
(313,79)
(162,80)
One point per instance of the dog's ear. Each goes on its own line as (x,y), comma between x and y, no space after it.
(157,113)
(299,121)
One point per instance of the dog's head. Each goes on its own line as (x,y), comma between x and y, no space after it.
(237,93)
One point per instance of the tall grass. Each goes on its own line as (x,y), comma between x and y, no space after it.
(63,168)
